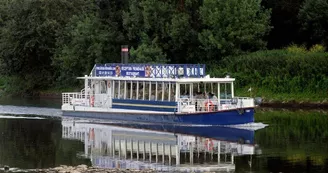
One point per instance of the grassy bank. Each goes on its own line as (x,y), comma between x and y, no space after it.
(272,97)
(294,74)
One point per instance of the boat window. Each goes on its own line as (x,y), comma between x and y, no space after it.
(128,90)
(134,90)
(116,88)
(146,93)
(103,87)
(161,90)
(225,91)
(185,90)
(213,91)
(196,88)
(121,91)
(166,91)
(153,91)
(172,92)
(140,90)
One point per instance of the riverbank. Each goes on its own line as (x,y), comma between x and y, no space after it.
(295,104)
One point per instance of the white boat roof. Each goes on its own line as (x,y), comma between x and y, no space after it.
(177,80)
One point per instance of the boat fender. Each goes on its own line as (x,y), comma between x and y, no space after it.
(209,144)
(209,106)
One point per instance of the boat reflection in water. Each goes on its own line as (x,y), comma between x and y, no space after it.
(160,147)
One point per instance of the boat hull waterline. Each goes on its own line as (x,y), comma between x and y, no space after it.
(226,117)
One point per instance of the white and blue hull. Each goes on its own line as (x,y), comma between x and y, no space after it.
(223,117)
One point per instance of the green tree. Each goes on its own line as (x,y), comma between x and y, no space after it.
(86,41)
(172,25)
(183,32)
(148,52)
(28,37)
(148,19)
(313,16)
(284,22)
(233,27)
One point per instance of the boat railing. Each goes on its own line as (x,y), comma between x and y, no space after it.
(187,105)
(88,100)
(68,97)
(244,102)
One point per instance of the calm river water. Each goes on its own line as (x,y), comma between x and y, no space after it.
(33,135)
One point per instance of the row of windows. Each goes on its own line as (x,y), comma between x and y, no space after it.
(164,91)
(158,91)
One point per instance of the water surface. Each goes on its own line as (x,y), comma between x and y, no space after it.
(294,141)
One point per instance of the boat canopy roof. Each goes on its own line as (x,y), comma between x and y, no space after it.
(178,73)
(149,70)
(176,80)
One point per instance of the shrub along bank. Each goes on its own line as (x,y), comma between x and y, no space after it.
(279,75)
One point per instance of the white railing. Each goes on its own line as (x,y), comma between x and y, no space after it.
(185,105)
(210,105)
(68,98)
(80,99)
(244,102)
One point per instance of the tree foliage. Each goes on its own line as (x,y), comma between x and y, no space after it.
(28,37)
(313,17)
(86,41)
(47,42)
(233,26)
(285,24)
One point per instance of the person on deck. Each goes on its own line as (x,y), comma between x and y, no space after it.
(214,100)
(197,101)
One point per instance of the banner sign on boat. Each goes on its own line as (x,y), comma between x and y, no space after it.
(154,70)
(119,71)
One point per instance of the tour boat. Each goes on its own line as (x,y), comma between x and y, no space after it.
(158,93)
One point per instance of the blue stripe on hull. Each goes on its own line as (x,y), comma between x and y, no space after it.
(145,105)
(230,117)
(143,108)
(146,102)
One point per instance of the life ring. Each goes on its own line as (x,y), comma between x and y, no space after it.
(108,84)
(209,106)
(92,101)
(209,144)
